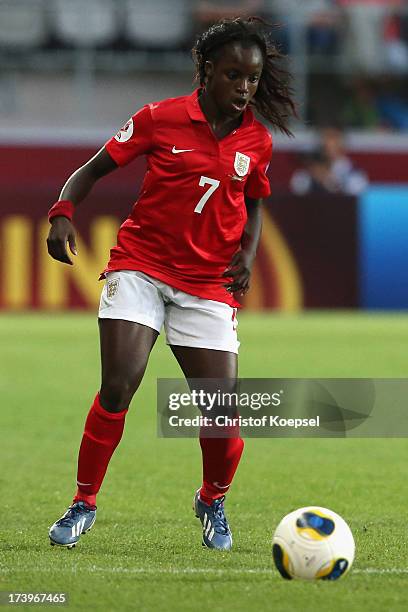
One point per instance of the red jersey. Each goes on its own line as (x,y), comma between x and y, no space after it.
(190,214)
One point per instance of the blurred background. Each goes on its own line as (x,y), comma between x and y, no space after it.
(73,71)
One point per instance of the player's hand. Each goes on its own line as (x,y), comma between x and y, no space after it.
(61,232)
(239,272)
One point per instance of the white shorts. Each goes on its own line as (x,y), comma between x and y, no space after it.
(188,320)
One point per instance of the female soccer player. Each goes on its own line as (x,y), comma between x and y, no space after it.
(184,251)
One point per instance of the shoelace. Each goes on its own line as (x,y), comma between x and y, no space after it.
(220,524)
(72,516)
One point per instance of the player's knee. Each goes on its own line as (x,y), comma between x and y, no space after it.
(116,393)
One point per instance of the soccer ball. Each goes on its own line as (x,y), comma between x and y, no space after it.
(313,543)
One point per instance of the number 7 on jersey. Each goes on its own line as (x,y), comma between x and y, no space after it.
(205,180)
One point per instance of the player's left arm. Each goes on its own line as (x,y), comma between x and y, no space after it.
(240,267)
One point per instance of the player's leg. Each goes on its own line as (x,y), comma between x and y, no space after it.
(202,335)
(221,450)
(125,348)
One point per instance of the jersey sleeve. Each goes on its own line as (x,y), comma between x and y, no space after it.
(134,139)
(257,185)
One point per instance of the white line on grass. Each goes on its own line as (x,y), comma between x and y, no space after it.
(377,570)
(194,570)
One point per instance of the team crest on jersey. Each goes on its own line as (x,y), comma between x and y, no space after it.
(112,287)
(241,163)
(126,132)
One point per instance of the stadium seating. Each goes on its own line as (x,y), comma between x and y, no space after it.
(157,23)
(85,24)
(22,24)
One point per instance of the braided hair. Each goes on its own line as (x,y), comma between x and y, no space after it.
(273,98)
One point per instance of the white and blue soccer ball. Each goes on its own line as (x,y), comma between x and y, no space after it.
(313,543)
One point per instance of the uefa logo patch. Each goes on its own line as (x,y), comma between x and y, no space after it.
(112,287)
(241,163)
(126,132)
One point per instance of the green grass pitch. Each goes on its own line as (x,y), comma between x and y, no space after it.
(144,552)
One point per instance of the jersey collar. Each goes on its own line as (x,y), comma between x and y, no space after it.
(196,114)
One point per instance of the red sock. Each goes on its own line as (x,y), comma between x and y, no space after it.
(102,434)
(221,457)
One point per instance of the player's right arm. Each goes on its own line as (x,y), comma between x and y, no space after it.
(75,190)
(134,139)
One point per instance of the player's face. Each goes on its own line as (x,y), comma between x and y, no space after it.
(232,79)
